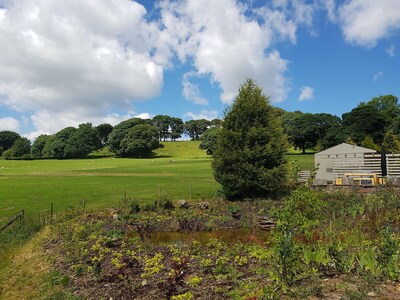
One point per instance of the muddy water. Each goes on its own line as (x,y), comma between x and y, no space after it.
(229,236)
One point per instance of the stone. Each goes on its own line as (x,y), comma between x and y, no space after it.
(204,205)
(183,204)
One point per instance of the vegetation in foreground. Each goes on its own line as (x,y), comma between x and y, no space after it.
(326,244)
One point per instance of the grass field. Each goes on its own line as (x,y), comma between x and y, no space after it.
(179,168)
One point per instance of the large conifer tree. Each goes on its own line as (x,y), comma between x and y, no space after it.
(249,160)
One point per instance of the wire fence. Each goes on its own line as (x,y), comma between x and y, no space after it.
(42,217)
(56,212)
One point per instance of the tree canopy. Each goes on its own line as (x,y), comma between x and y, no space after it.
(7,139)
(364,120)
(139,141)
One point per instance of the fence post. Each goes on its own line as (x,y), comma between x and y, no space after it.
(51,213)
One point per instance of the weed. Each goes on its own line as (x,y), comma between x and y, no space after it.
(185,296)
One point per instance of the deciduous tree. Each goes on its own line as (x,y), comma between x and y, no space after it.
(140,141)
(7,139)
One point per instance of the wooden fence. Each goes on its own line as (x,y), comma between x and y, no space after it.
(369,163)
(20,216)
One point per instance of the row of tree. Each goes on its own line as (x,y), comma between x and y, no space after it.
(370,124)
(131,138)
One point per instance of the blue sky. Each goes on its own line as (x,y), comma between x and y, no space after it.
(62,64)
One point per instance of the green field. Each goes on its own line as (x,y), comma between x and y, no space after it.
(303,161)
(180,167)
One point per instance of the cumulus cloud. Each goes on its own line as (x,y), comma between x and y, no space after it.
(204,114)
(364,22)
(306,93)
(377,75)
(227,45)
(391,50)
(330,7)
(77,61)
(191,91)
(9,124)
(78,57)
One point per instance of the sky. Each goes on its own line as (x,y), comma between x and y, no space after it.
(63,63)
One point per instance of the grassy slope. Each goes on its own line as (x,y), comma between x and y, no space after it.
(33,185)
(18,279)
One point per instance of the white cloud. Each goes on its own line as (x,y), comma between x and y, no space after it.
(227,45)
(377,75)
(9,124)
(82,57)
(303,12)
(306,93)
(191,91)
(391,50)
(76,61)
(330,6)
(364,22)
(204,114)
(142,116)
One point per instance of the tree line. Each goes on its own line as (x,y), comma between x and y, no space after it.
(371,124)
(131,138)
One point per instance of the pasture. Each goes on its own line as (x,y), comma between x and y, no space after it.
(178,170)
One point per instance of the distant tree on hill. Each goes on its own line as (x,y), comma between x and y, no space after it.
(61,141)
(47,151)
(195,128)
(119,132)
(364,120)
(249,157)
(140,141)
(216,123)
(209,140)
(20,149)
(177,126)
(104,131)
(162,124)
(82,141)
(389,108)
(7,139)
(38,146)
(306,130)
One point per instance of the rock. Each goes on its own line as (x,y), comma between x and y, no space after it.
(371,294)
(183,204)
(204,205)
(115,216)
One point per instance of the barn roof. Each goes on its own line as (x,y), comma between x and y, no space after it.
(345,148)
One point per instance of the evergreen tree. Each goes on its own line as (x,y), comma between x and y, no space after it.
(249,158)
